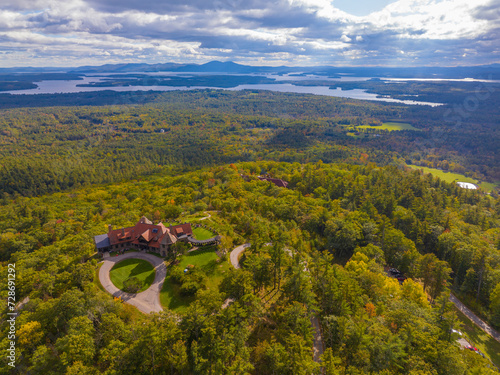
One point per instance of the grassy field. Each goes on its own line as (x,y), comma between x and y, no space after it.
(479,339)
(456,177)
(445,176)
(391,126)
(202,234)
(128,268)
(205,259)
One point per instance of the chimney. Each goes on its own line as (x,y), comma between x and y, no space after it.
(123,232)
(110,228)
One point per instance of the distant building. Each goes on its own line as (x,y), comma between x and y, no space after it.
(277,181)
(143,236)
(467,185)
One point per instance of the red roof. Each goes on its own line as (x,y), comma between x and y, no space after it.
(145,232)
(181,229)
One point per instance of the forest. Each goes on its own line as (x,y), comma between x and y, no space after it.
(342,225)
(319,249)
(50,149)
(198,80)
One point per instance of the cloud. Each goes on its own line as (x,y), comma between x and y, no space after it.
(302,31)
(490,11)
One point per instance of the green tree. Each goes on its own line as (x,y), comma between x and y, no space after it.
(78,345)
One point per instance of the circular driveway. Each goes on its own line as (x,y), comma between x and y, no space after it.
(147,301)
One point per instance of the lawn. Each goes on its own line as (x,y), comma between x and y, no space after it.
(202,234)
(479,339)
(129,268)
(205,259)
(455,177)
(199,258)
(391,126)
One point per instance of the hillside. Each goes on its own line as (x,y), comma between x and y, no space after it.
(341,223)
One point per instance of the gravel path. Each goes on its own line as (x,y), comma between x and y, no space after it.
(474,318)
(147,301)
(206,217)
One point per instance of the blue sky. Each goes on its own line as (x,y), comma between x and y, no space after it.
(361,7)
(254,32)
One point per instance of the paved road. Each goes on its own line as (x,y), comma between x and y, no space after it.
(147,301)
(235,254)
(474,318)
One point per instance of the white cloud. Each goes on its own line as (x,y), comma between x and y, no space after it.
(431,19)
(285,31)
(345,38)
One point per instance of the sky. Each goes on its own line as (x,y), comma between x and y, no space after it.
(64,33)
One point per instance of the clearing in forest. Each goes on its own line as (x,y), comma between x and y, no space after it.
(391,126)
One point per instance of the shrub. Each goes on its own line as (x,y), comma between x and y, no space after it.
(177,275)
(132,285)
(189,288)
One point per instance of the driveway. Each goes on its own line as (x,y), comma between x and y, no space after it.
(147,301)
(235,254)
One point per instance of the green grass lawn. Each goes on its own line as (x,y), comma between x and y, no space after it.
(128,268)
(391,126)
(205,259)
(202,234)
(479,339)
(455,177)
(170,297)
(199,258)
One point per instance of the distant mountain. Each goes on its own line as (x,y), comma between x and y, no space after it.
(32,70)
(227,67)
(126,68)
(491,71)
(218,67)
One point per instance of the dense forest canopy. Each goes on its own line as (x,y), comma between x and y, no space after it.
(320,249)
(49,149)
(364,217)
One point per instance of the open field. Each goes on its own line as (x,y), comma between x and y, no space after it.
(479,339)
(456,177)
(445,176)
(205,259)
(390,126)
(128,268)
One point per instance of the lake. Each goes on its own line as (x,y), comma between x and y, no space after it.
(53,87)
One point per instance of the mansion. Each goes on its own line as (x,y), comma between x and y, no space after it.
(143,236)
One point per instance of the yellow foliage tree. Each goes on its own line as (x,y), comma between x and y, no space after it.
(30,335)
(413,291)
